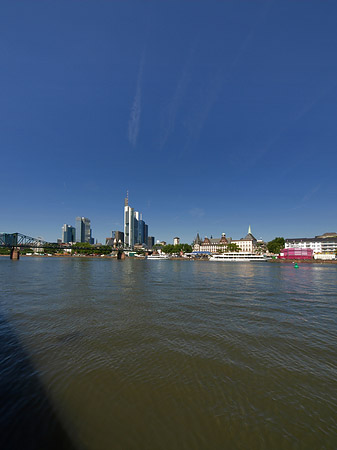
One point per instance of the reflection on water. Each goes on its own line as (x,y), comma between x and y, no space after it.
(174,354)
(28,420)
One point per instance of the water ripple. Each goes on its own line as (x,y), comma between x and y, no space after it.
(173,355)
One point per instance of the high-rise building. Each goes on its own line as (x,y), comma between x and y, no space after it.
(146,233)
(79,228)
(135,229)
(83,230)
(128,224)
(136,226)
(150,242)
(142,231)
(116,239)
(68,234)
(119,236)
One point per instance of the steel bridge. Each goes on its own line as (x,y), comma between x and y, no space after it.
(20,240)
(17,241)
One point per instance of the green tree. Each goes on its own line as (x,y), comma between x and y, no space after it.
(82,248)
(52,249)
(169,249)
(176,249)
(260,247)
(276,245)
(232,247)
(104,249)
(186,248)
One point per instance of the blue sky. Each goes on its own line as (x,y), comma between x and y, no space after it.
(213,114)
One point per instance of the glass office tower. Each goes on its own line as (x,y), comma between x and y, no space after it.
(83,231)
(135,229)
(68,234)
(128,225)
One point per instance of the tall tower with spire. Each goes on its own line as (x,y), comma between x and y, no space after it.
(129,237)
(250,236)
(135,229)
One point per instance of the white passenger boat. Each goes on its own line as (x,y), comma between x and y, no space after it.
(238,257)
(157,257)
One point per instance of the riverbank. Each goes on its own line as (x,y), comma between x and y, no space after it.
(279,261)
(302,261)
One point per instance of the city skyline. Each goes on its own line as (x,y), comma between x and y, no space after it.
(235,233)
(214,115)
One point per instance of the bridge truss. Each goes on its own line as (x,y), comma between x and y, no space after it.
(19,240)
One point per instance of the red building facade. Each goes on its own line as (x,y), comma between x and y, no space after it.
(296,253)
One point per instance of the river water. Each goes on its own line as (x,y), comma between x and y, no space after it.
(137,354)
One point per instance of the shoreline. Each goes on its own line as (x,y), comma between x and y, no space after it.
(274,261)
(303,261)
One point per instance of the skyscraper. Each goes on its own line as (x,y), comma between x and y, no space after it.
(146,233)
(142,231)
(68,234)
(136,226)
(150,242)
(135,229)
(128,224)
(83,230)
(117,239)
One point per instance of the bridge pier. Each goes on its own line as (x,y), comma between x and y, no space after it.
(15,253)
(120,254)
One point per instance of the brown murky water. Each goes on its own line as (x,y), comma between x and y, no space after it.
(106,354)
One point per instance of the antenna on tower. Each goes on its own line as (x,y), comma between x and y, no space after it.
(126,202)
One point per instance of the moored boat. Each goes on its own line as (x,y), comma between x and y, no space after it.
(238,257)
(157,257)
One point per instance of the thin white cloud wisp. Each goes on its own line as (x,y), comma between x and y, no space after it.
(136,109)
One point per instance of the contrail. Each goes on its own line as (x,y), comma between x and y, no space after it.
(245,44)
(175,103)
(298,116)
(207,101)
(209,98)
(136,109)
